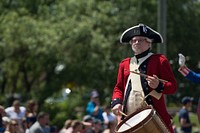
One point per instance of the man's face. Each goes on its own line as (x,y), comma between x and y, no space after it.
(189,106)
(45,120)
(95,100)
(139,44)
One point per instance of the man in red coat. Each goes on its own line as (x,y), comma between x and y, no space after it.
(131,88)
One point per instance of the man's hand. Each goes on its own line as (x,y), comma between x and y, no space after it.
(153,81)
(116,109)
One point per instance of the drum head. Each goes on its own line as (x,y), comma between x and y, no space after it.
(134,120)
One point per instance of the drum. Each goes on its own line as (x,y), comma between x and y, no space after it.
(142,121)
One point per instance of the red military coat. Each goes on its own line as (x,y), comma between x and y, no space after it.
(157,65)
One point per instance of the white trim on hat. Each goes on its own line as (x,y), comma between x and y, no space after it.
(157,33)
(138,26)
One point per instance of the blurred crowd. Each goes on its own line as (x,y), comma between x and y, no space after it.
(23,119)
(99,119)
(27,119)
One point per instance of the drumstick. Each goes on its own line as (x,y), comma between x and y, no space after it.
(122,113)
(144,75)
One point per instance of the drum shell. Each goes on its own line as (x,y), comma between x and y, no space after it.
(150,124)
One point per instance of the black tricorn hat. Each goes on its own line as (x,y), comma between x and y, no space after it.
(141,30)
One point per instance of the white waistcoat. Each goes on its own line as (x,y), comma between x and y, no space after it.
(136,96)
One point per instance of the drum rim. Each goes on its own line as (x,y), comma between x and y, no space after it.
(137,125)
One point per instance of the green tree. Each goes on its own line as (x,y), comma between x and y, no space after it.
(48,45)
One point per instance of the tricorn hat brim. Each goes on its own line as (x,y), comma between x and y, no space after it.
(141,30)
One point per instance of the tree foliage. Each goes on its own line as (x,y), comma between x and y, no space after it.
(48,45)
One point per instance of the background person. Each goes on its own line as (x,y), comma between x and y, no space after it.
(184,118)
(67,125)
(31,108)
(75,127)
(16,111)
(88,122)
(110,120)
(13,127)
(94,107)
(40,125)
(2,114)
(190,75)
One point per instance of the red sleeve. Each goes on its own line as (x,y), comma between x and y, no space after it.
(163,70)
(123,73)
